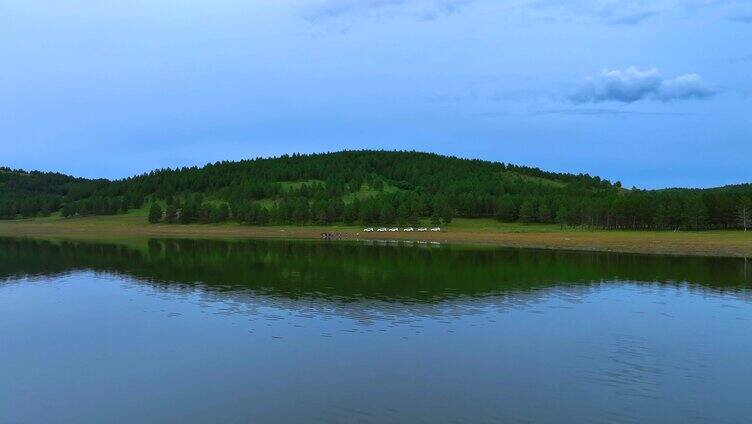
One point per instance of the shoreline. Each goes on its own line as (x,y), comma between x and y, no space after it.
(114,228)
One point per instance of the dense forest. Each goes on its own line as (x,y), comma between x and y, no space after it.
(374,188)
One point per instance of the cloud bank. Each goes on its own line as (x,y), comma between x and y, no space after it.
(633,84)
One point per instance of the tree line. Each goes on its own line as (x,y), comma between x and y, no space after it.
(375,187)
(384,209)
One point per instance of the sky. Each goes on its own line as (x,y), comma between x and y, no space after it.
(652,93)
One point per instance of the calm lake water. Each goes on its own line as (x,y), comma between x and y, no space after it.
(275,331)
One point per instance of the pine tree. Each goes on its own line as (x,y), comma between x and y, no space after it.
(123,206)
(745,212)
(155,213)
(45,210)
(171,215)
(388,214)
(662,219)
(318,212)
(527,211)
(562,215)
(544,212)
(447,213)
(350,214)
(262,216)
(506,209)
(695,214)
(223,212)
(67,210)
(403,215)
(188,212)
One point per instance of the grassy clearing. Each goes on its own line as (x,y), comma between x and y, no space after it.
(265,203)
(363,193)
(295,185)
(133,225)
(487,224)
(366,191)
(531,179)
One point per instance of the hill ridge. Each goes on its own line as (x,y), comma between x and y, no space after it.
(374,186)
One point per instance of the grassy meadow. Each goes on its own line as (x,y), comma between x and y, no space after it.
(134,225)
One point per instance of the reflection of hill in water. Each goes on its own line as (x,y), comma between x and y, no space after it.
(351,271)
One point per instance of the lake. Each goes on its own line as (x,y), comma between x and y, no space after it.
(294,331)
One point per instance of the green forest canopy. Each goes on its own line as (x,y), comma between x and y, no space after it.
(374,187)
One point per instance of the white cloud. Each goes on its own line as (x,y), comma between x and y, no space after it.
(633,84)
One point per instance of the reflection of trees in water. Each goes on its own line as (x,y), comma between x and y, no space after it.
(351,271)
(265,305)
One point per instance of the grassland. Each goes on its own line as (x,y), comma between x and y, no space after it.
(461,231)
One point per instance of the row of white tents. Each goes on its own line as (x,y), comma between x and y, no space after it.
(395,229)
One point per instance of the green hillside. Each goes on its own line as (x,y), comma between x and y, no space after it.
(374,188)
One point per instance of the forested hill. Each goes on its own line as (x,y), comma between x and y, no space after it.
(40,193)
(374,187)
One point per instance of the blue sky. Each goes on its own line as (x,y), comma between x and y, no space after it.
(653,93)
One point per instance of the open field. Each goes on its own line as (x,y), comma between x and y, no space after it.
(461,231)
